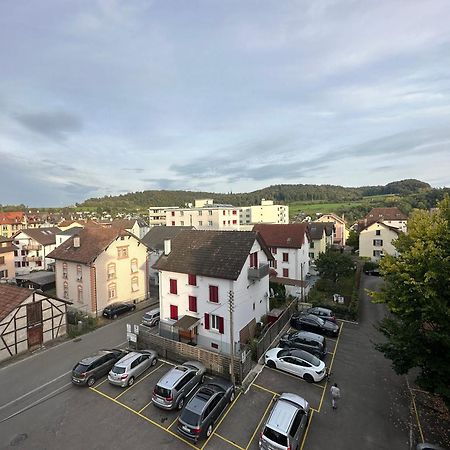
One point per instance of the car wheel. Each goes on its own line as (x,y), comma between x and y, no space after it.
(180,404)
(90,381)
(307,377)
(232,396)
(271,364)
(114,316)
(154,361)
(133,308)
(209,430)
(131,381)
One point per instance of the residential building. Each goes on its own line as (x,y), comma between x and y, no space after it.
(157,215)
(11,223)
(391,216)
(289,245)
(340,232)
(33,247)
(99,266)
(321,238)
(201,273)
(7,268)
(62,236)
(376,240)
(28,319)
(138,227)
(266,212)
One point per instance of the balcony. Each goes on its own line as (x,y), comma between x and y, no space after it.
(33,258)
(32,247)
(256,273)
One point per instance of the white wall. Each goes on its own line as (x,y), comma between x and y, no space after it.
(367,236)
(296,257)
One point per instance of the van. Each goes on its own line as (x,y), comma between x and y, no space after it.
(151,318)
(286,424)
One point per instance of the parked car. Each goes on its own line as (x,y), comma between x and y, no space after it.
(151,318)
(286,424)
(296,362)
(114,310)
(176,385)
(90,369)
(304,340)
(374,272)
(202,411)
(126,370)
(323,313)
(310,322)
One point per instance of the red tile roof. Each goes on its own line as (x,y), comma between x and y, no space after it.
(10,218)
(11,297)
(290,235)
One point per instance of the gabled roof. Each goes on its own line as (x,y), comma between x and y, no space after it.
(216,254)
(379,215)
(385,225)
(155,238)
(317,229)
(326,217)
(11,297)
(93,241)
(290,235)
(6,245)
(44,236)
(69,231)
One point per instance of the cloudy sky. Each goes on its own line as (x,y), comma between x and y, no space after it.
(101,97)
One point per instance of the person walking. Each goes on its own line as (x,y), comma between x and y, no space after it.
(335,395)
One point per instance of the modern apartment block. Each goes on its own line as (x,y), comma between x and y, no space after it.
(157,215)
(266,212)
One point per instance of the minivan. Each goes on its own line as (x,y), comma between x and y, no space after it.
(305,340)
(286,424)
(151,318)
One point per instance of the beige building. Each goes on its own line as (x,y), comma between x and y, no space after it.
(375,241)
(321,238)
(7,269)
(340,232)
(99,266)
(266,212)
(157,215)
(391,216)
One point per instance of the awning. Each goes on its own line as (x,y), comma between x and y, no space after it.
(187,322)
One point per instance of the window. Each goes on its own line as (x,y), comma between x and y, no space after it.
(274,250)
(200,223)
(112,292)
(182,223)
(234,222)
(254,259)
(224,212)
(210,212)
(122,252)
(134,265)
(173,223)
(377,253)
(311,244)
(80,294)
(234,212)
(378,232)
(181,213)
(311,255)
(173,213)
(174,312)
(224,222)
(209,223)
(285,257)
(111,271)
(134,284)
(66,289)
(378,242)
(79,272)
(214,294)
(200,213)
(192,280)
(192,303)
(64,270)
(273,263)
(173,286)
(2,260)
(217,323)
(286,273)
(3,274)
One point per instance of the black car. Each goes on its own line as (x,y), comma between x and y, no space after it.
(90,369)
(114,310)
(323,313)
(373,272)
(310,322)
(304,340)
(203,409)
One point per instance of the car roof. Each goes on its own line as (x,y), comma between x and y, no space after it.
(172,376)
(127,359)
(309,335)
(282,415)
(90,359)
(319,308)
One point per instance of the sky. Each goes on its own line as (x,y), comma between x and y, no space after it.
(104,97)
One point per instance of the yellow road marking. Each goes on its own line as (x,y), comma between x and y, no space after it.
(148,404)
(265,389)
(99,384)
(143,417)
(415,411)
(221,420)
(307,429)
(293,376)
(176,418)
(229,442)
(137,382)
(260,422)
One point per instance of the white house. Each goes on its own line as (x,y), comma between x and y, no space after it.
(391,216)
(375,241)
(201,274)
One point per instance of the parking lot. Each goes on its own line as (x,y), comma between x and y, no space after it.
(239,425)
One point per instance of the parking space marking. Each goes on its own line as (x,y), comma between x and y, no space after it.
(101,382)
(260,422)
(229,442)
(221,420)
(307,429)
(294,376)
(156,424)
(265,389)
(148,404)
(174,420)
(137,382)
(415,409)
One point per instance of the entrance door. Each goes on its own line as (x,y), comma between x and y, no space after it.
(174,312)
(34,324)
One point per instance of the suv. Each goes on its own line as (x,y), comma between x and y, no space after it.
(90,369)
(204,408)
(286,424)
(114,310)
(151,318)
(175,386)
(304,340)
(323,313)
(131,366)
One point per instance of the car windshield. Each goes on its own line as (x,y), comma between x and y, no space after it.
(190,417)
(283,352)
(275,436)
(319,320)
(162,392)
(310,358)
(81,368)
(117,369)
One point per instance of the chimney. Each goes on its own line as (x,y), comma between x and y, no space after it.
(76,242)
(167,246)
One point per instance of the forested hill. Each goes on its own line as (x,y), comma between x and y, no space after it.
(283,193)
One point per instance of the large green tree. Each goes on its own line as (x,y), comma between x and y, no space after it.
(333,265)
(417,294)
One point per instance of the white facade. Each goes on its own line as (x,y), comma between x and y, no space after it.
(266,212)
(376,241)
(157,215)
(216,217)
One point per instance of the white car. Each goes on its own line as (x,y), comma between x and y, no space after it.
(297,362)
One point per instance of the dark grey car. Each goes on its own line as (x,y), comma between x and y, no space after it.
(313,343)
(310,322)
(323,313)
(90,369)
(204,409)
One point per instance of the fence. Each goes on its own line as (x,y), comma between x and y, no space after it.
(264,342)
(216,363)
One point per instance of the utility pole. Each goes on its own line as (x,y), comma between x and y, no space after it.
(301,277)
(231,310)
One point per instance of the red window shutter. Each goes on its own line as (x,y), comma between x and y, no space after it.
(173,213)
(286,273)
(234,212)
(221,325)
(192,280)
(234,222)
(174,312)
(224,222)
(192,303)
(173,223)
(286,257)
(224,212)
(206,321)
(214,294)
(173,286)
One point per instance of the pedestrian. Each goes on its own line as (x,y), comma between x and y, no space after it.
(335,395)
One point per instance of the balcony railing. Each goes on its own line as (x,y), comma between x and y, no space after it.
(256,273)
(32,247)
(33,258)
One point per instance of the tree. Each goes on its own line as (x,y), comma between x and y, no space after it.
(333,265)
(353,240)
(417,294)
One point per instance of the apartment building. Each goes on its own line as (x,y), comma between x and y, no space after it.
(7,268)
(157,215)
(376,241)
(266,212)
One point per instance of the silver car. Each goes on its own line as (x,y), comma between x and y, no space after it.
(175,386)
(126,370)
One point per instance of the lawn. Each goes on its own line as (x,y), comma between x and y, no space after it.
(324,208)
